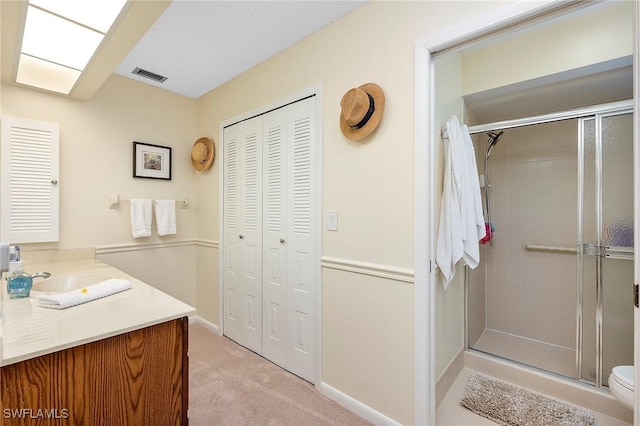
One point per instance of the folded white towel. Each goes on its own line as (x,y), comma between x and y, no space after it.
(83,295)
(166,217)
(140,213)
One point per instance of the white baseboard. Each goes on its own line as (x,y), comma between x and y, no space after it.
(208,325)
(354,405)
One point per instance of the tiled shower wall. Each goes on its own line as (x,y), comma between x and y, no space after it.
(533,177)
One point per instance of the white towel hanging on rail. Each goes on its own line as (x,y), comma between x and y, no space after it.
(166,217)
(472,214)
(140,212)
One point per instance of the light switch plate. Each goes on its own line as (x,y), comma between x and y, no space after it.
(332,220)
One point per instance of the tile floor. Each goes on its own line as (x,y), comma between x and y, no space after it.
(451,413)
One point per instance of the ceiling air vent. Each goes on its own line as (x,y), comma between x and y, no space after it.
(148,74)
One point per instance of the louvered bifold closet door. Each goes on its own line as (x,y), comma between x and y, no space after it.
(232,186)
(243,233)
(301,176)
(251,234)
(29,194)
(274,252)
(269,235)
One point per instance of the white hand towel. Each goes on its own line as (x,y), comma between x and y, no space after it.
(84,295)
(166,217)
(140,213)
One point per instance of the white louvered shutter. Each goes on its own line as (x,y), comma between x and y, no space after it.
(29,191)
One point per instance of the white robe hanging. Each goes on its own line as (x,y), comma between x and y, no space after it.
(461,223)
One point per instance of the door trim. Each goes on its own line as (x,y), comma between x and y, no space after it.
(636,164)
(314,91)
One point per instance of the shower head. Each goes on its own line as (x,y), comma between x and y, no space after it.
(493,140)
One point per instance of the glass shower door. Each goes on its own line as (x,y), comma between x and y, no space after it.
(606,242)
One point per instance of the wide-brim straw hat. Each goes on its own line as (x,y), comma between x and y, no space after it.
(362,109)
(202,154)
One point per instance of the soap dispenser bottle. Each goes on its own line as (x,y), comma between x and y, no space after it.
(19,282)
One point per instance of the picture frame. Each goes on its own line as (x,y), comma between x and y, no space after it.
(151,161)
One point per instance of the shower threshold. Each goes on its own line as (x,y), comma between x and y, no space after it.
(545,356)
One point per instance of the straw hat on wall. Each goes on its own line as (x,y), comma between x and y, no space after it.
(362,109)
(202,154)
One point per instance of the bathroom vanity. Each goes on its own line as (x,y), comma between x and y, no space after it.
(117,360)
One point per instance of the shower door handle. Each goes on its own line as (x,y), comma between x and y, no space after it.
(623,253)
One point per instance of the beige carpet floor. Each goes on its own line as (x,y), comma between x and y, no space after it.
(230,385)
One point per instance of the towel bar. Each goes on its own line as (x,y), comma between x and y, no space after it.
(533,247)
(115,201)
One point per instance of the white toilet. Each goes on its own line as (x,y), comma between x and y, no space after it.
(621,384)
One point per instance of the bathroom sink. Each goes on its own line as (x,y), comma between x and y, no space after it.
(66,283)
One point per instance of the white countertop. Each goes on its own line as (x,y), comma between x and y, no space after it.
(29,330)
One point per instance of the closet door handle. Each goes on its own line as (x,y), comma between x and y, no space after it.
(281,240)
(241,236)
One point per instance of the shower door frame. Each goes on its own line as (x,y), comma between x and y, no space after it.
(597,113)
(598,250)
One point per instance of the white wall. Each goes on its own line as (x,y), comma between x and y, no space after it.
(170,269)
(449,302)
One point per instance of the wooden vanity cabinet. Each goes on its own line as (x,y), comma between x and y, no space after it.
(136,378)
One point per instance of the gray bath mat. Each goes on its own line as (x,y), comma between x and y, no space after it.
(511,405)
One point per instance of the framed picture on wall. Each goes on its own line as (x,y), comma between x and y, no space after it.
(151,161)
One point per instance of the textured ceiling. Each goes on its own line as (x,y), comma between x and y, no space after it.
(200,44)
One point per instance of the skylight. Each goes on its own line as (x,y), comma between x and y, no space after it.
(60,38)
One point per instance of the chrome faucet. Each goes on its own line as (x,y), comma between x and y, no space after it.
(41,275)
